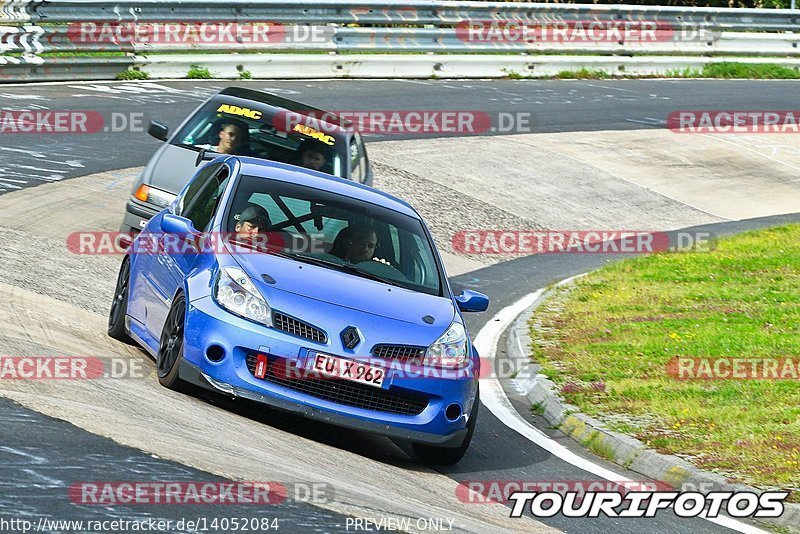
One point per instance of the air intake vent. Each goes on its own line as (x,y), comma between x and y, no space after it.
(298,328)
(342,391)
(401,353)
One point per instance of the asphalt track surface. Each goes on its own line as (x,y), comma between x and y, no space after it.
(38,461)
(56,450)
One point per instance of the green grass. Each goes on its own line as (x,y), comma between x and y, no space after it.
(514,75)
(582,74)
(733,70)
(728,70)
(598,447)
(688,72)
(607,342)
(198,73)
(767,71)
(132,74)
(777,529)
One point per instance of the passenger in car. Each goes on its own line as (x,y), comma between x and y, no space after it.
(252,221)
(311,155)
(233,138)
(355,244)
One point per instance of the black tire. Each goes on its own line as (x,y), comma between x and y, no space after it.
(433,455)
(170,347)
(116,315)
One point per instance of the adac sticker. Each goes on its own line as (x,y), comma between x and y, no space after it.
(316,134)
(236,110)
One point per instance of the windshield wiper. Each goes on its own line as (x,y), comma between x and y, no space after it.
(187,145)
(346,267)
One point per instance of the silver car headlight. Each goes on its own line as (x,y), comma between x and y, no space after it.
(236,293)
(450,350)
(157,197)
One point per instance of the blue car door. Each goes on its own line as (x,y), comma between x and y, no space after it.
(178,254)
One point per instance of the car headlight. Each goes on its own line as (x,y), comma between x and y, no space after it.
(450,350)
(236,293)
(160,198)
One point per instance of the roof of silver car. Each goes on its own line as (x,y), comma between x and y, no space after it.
(284,103)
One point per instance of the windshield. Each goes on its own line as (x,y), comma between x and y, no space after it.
(232,129)
(334,232)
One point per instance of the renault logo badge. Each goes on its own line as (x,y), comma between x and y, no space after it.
(350,337)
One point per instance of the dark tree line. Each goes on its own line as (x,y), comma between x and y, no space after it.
(687,3)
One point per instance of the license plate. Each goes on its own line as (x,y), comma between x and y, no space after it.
(334,367)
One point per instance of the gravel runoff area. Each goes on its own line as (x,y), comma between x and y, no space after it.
(447,211)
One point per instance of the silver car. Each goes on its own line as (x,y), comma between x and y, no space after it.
(248,123)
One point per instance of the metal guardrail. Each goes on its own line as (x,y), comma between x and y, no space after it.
(31,28)
(35,40)
(435,12)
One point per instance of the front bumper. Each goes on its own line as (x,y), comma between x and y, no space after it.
(207,325)
(136,216)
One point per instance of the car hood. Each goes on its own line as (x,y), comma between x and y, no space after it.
(347,291)
(170,168)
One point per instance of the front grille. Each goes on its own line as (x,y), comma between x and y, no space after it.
(402,353)
(298,328)
(342,391)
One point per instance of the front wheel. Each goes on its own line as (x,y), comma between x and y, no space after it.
(119,306)
(433,455)
(170,348)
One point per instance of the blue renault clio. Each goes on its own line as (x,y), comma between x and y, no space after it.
(307,293)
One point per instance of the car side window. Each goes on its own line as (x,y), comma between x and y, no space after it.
(395,241)
(206,190)
(195,186)
(358,159)
(424,264)
(363,163)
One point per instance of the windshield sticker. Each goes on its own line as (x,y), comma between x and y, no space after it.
(316,134)
(236,110)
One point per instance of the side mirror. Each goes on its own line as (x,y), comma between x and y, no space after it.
(158,130)
(205,155)
(472,301)
(175,224)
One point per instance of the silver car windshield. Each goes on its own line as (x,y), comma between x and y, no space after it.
(229,129)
